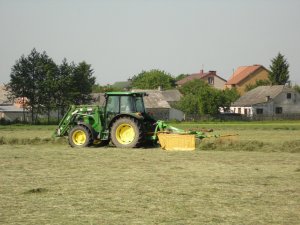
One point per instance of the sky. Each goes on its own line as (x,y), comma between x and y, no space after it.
(121,38)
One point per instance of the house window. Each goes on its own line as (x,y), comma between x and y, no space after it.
(278,110)
(245,111)
(211,80)
(259,111)
(288,95)
(239,110)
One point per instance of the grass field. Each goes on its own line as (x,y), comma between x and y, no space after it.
(253,178)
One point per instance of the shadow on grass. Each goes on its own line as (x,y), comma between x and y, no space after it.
(36,191)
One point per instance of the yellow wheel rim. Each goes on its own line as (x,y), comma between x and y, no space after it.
(79,137)
(125,134)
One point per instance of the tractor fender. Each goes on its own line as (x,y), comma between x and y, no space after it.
(130,115)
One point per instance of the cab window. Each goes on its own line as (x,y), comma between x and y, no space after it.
(126,104)
(112,104)
(139,104)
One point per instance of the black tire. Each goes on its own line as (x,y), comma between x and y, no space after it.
(126,133)
(80,137)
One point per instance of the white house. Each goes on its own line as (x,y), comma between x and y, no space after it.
(269,101)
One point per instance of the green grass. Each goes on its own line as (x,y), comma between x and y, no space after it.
(250,178)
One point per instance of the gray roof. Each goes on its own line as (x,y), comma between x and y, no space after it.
(155,99)
(259,95)
(172,95)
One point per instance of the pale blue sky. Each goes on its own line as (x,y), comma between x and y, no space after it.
(121,38)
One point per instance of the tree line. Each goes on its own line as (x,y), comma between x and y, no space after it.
(48,86)
(45,86)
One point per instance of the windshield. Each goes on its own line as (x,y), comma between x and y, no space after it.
(126,104)
(139,104)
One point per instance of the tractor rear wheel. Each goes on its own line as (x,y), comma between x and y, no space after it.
(126,133)
(80,136)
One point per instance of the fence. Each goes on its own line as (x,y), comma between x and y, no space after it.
(240,117)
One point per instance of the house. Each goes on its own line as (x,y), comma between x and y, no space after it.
(209,77)
(246,75)
(159,104)
(274,100)
(12,110)
(13,113)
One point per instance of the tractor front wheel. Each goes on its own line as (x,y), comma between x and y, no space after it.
(126,133)
(80,137)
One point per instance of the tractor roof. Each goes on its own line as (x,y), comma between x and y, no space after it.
(126,93)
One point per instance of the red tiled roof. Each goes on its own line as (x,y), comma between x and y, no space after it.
(242,72)
(195,76)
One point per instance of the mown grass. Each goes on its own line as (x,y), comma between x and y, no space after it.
(251,178)
(46,184)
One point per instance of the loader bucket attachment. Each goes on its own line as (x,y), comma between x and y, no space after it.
(176,142)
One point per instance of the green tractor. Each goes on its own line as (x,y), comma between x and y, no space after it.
(123,121)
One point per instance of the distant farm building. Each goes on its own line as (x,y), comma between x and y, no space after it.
(209,77)
(11,110)
(277,101)
(247,75)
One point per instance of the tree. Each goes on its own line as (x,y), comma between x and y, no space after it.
(153,79)
(64,97)
(181,76)
(297,88)
(82,83)
(257,84)
(279,70)
(47,86)
(199,98)
(28,79)
(97,88)
(228,96)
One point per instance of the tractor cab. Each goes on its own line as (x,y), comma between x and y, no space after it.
(125,102)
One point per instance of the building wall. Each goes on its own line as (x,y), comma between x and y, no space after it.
(242,110)
(11,116)
(219,83)
(267,108)
(166,114)
(260,74)
(175,114)
(159,114)
(288,105)
(280,105)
